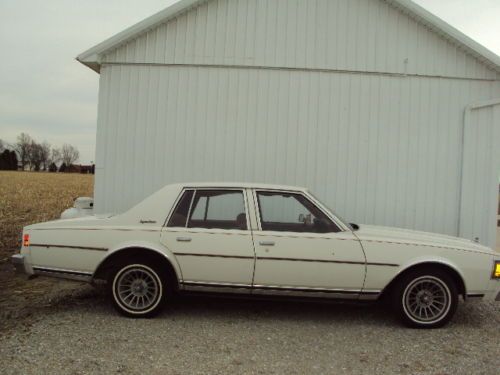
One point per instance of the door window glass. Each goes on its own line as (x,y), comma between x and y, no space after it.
(218,209)
(291,212)
(179,217)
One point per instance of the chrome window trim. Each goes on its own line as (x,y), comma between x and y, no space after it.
(195,191)
(174,206)
(190,207)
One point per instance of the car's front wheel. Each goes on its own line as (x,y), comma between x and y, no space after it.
(425,298)
(138,289)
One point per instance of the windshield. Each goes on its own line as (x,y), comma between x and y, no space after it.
(339,218)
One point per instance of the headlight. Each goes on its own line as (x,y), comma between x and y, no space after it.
(496,270)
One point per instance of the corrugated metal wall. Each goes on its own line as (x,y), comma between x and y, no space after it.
(353,35)
(481,169)
(200,99)
(378,149)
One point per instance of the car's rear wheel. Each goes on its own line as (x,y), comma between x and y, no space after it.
(139,289)
(425,298)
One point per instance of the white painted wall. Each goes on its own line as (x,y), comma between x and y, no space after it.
(238,95)
(352,35)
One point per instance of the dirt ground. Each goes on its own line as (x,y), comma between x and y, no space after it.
(54,326)
(27,198)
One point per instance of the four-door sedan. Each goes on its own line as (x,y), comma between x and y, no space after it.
(255,239)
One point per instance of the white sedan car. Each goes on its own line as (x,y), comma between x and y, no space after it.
(255,239)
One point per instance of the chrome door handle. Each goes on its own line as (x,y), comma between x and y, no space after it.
(184,239)
(266,243)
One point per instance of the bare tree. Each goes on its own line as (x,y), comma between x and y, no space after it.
(69,154)
(35,156)
(45,155)
(23,147)
(55,156)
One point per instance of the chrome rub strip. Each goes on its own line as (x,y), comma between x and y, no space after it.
(68,247)
(282,288)
(64,274)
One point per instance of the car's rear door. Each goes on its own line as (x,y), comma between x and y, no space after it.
(302,251)
(209,233)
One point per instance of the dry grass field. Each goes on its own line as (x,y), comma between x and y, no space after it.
(33,197)
(26,198)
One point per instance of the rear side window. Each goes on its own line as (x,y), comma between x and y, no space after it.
(179,217)
(218,209)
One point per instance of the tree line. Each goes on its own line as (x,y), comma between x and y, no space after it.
(28,154)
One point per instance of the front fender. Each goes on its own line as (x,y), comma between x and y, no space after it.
(430,259)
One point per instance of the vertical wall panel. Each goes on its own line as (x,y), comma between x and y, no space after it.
(480,174)
(377,149)
(356,35)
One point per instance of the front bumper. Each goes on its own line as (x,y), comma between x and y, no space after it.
(493,293)
(19,263)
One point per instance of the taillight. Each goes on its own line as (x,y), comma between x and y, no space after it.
(26,240)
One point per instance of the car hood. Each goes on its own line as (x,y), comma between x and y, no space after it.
(407,236)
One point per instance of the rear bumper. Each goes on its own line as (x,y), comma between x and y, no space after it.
(19,263)
(22,264)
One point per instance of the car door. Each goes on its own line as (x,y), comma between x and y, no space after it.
(208,232)
(300,250)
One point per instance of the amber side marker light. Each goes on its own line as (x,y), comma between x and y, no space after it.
(496,270)
(26,240)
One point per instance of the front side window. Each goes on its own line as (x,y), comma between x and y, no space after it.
(292,212)
(218,209)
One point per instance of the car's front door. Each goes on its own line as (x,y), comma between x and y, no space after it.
(209,233)
(301,251)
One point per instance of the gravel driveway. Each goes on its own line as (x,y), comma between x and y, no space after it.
(81,334)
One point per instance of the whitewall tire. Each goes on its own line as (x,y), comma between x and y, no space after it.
(138,289)
(425,298)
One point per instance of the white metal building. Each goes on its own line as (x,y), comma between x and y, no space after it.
(388,114)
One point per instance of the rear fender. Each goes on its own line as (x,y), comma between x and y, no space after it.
(157,248)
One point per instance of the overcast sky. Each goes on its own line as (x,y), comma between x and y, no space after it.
(46,93)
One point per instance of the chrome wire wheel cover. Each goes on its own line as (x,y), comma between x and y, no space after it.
(426,300)
(137,288)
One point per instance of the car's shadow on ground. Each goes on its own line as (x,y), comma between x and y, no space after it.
(234,308)
(231,309)
(281,309)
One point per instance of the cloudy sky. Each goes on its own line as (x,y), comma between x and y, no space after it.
(46,93)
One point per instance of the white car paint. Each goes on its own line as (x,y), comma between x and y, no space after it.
(348,264)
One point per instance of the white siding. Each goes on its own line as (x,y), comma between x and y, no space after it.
(481,170)
(376,148)
(349,35)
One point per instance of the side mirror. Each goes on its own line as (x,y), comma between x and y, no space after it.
(302,218)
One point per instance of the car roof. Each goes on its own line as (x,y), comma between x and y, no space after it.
(243,185)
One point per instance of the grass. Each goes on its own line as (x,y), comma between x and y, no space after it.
(27,198)
(33,197)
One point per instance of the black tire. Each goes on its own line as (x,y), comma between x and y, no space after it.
(139,288)
(425,298)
